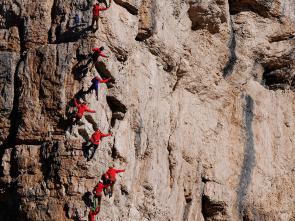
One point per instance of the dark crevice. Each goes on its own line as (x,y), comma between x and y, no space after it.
(246,218)
(130,8)
(87,199)
(10,202)
(15,115)
(275,78)
(279,38)
(249,154)
(262,8)
(120,53)
(205,179)
(118,109)
(53,15)
(171,162)
(21,32)
(210,208)
(73,34)
(90,120)
(230,64)
(116,105)
(168,66)
(49,164)
(80,71)
(124,190)
(114,151)
(144,34)
(19,141)
(9,198)
(176,84)
(115,154)
(187,208)
(179,75)
(105,73)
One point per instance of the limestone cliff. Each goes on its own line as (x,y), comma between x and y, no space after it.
(201,106)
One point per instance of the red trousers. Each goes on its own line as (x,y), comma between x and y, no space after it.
(92,214)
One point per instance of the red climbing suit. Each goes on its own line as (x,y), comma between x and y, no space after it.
(96,8)
(99,52)
(95,81)
(101,80)
(96,136)
(98,189)
(81,109)
(92,214)
(111,173)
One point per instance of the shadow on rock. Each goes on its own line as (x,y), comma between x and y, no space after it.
(87,199)
(72,34)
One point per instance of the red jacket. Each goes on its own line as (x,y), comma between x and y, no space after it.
(96,137)
(96,9)
(101,80)
(82,108)
(97,50)
(111,173)
(98,188)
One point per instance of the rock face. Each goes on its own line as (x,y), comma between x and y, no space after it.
(201,107)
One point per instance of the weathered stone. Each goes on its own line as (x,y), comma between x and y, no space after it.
(147,22)
(130,5)
(208,15)
(193,116)
(8,65)
(10,39)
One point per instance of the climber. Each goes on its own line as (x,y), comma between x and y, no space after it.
(95,81)
(93,213)
(95,55)
(109,178)
(98,193)
(96,200)
(95,13)
(81,109)
(94,142)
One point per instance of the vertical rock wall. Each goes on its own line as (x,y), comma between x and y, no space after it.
(201,108)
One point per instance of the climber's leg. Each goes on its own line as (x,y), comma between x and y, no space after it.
(111,188)
(97,23)
(94,20)
(94,202)
(97,210)
(97,199)
(96,94)
(93,64)
(96,90)
(91,215)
